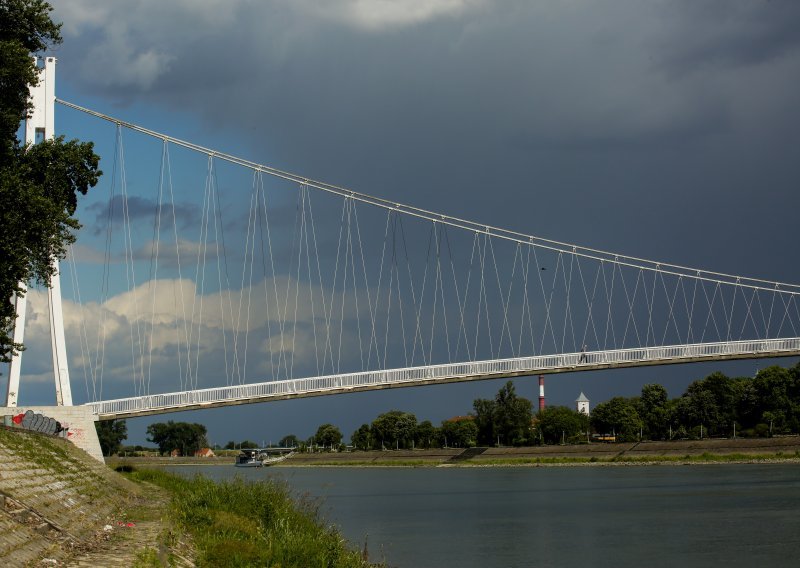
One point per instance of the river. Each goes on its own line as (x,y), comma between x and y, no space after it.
(700,515)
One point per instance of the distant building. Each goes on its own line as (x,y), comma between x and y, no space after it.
(204,453)
(582,404)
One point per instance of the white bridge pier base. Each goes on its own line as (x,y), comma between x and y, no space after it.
(78,419)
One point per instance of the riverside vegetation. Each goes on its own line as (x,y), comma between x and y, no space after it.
(716,406)
(96,517)
(244,523)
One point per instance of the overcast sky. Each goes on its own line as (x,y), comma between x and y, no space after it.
(667,130)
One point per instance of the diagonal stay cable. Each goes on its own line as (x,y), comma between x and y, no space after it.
(597,254)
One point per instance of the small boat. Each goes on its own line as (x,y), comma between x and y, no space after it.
(248,458)
(258,458)
(275,459)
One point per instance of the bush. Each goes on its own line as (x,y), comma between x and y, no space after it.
(242,523)
(761,430)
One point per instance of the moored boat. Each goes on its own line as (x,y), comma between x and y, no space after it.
(248,458)
(275,459)
(258,458)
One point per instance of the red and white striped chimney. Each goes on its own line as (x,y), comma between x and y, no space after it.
(541,393)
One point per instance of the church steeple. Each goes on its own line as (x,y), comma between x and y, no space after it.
(582,404)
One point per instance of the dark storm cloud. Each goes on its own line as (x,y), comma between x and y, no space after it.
(665,130)
(743,34)
(142,209)
(645,128)
(447,92)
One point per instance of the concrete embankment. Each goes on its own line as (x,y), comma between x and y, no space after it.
(61,507)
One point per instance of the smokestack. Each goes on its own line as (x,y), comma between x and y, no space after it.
(541,393)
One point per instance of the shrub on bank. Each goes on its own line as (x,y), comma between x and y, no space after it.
(243,523)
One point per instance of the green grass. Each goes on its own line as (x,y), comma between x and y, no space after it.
(242,523)
(40,449)
(147,558)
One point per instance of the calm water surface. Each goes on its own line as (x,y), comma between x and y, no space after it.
(715,515)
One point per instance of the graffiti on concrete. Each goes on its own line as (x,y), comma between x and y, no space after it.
(75,434)
(31,420)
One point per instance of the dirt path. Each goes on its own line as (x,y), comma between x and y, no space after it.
(142,537)
(61,507)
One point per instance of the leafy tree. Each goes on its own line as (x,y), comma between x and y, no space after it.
(746,402)
(774,387)
(362,438)
(711,403)
(508,417)
(393,429)
(559,422)
(698,408)
(772,418)
(111,433)
(513,415)
(328,435)
(182,436)
(484,420)
(793,391)
(618,416)
(289,441)
(460,431)
(654,410)
(425,434)
(38,184)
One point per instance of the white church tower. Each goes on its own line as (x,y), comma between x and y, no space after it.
(582,404)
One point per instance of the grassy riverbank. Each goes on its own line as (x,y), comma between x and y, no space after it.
(633,453)
(571,461)
(705,458)
(242,523)
(59,506)
(717,450)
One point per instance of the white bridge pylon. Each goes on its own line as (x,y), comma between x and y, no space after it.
(236,283)
(40,126)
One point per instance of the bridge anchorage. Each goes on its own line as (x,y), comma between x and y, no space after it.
(202,279)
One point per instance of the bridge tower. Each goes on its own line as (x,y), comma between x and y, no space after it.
(38,127)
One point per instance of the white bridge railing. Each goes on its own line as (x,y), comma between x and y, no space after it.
(451,372)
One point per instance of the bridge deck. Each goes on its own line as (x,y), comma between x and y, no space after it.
(440,374)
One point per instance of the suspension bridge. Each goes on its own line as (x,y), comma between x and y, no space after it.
(201,279)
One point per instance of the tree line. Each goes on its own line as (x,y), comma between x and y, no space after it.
(715,406)
(505,419)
